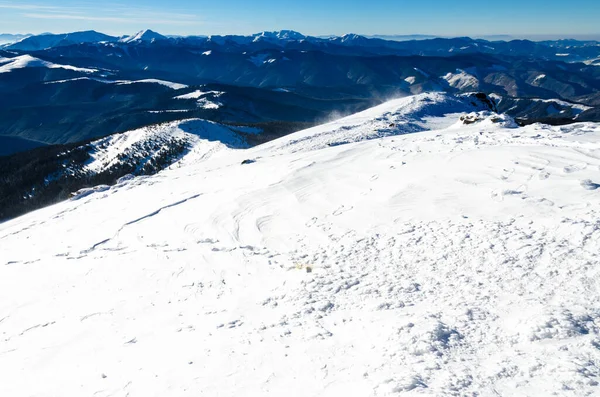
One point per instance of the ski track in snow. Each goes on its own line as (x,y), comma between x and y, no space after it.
(458,261)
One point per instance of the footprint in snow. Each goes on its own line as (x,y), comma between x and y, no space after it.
(574,168)
(589,185)
(545,201)
(311,222)
(341,210)
(207,241)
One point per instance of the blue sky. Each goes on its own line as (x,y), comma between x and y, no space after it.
(314,17)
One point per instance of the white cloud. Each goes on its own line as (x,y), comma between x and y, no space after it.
(103,13)
(83,17)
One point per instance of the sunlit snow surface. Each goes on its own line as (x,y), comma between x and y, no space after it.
(458,261)
(24,61)
(175,86)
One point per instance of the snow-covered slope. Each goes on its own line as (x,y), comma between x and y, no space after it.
(27,61)
(400,116)
(282,35)
(143,36)
(205,100)
(201,135)
(144,151)
(170,84)
(462,80)
(462,260)
(45,41)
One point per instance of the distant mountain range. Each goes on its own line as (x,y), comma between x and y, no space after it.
(63,88)
(7,38)
(423,45)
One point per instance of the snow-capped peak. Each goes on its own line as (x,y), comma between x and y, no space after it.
(143,35)
(349,37)
(279,35)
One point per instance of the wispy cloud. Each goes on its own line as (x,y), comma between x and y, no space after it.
(111,19)
(28,7)
(111,13)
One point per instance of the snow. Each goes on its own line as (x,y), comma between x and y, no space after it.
(27,61)
(206,103)
(199,93)
(79,79)
(106,152)
(175,86)
(400,116)
(281,35)
(576,106)
(169,111)
(538,79)
(143,35)
(593,62)
(497,98)
(461,80)
(459,260)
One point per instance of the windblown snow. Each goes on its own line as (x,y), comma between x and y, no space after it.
(388,253)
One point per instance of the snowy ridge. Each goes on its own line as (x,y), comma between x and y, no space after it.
(144,145)
(460,260)
(400,116)
(46,41)
(198,93)
(25,61)
(205,100)
(170,84)
(462,80)
(576,106)
(283,35)
(143,36)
